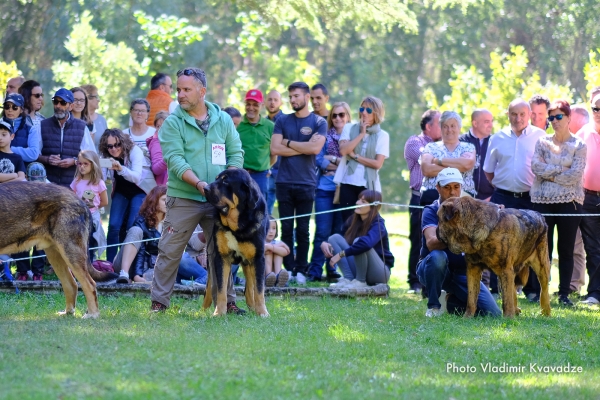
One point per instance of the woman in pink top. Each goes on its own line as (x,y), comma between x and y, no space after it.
(159,166)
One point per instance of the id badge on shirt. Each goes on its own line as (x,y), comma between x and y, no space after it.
(218,154)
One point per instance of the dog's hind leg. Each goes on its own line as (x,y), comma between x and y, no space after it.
(66,279)
(88,286)
(540,263)
(258,272)
(250,289)
(473,279)
(509,293)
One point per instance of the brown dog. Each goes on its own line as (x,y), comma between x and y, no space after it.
(53,219)
(240,228)
(507,241)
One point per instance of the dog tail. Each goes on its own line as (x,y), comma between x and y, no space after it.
(100,276)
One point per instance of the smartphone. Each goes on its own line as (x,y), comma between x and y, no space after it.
(88,194)
(105,163)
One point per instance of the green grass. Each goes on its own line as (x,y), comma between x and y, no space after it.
(308,348)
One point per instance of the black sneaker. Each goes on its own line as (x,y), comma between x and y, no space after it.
(564,301)
(157,307)
(232,308)
(333,277)
(534,298)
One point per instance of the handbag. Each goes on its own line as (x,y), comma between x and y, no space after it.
(336,195)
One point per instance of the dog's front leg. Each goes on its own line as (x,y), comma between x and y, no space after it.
(473,279)
(509,292)
(66,280)
(222,282)
(250,288)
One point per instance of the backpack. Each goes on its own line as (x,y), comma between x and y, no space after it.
(103,266)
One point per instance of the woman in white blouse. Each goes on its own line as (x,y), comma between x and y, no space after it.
(558,163)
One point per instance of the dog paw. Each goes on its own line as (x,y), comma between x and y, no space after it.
(66,312)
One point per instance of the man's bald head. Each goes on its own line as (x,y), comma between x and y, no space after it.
(273,103)
(482,122)
(13,84)
(519,113)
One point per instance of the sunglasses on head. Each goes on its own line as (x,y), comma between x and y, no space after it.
(113,146)
(57,102)
(369,110)
(340,115)
(38,95)
(556,117)
(596,109)
(10,106)
(190,72)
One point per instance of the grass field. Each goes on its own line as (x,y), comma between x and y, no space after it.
(308,348)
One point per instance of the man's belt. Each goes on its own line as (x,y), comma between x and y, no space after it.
(513,194)
(594,192)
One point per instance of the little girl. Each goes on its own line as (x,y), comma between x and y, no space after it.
(89,186)
(275,250)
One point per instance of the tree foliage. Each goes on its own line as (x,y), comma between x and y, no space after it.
(112,68)
(592,70)
(7,71)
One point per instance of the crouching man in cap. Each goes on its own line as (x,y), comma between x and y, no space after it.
(438,267)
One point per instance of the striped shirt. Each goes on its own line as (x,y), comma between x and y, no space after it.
(412,153)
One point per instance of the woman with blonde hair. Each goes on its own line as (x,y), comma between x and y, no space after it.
(364,147)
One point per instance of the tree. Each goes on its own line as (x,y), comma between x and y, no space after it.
(112,68)
(592,72)
(7,71)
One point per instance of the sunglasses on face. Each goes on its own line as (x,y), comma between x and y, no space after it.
(10,106)
(113,146)
(596,109)
(340,115)
(38,95)
(556,117)
(57,102)
(363,109)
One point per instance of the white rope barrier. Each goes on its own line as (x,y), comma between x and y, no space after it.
(309,215)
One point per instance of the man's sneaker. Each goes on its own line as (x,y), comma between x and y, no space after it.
(282,278)
(590,301)
(233,309)
(22,277)
(292,278)
(270,279)
(433,312)
(312,278)
(333,277)
(533,297)
(123,277)
(157,307)
(356,284)
(300,279)
(564,301)
(38,277)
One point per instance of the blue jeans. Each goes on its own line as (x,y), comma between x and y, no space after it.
(190,269)
(435,275)
(262,181)
(295,200)
(326,225)
(271,195)
(119,208)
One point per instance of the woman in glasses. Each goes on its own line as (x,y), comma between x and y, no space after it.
(98,120)
(26,142)
(81,110)
(34,101)
(448,152)
(558,163)
(131,183)
(364,146)
(328,160)
(139,111)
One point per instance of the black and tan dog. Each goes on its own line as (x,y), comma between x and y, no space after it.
(507,241)
(240,228)
(53,219)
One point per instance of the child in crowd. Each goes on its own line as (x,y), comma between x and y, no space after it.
(12,167)
(275,250)
(89,186)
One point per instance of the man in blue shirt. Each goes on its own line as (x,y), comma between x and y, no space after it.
(439,268)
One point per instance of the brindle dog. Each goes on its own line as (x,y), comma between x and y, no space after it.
(53,219)
(507,241)
(240,228)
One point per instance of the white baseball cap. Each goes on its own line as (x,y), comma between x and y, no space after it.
(449,175)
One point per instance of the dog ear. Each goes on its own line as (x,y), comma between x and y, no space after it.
(450,211)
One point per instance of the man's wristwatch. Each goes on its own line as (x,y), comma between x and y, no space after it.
(342,254)
(356,158)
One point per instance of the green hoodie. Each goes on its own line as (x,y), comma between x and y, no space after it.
(184,147)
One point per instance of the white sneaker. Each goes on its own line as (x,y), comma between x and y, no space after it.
(123,277)
(590,301)
(433,312)
(300,279)
(292,278)
(356,284)
(341,283)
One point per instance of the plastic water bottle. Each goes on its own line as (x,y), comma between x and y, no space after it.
(30,275)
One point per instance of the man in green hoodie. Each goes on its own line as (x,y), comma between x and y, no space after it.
(198,142)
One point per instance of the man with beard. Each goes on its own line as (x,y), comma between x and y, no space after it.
(255,133)
(63,137)
(297,139)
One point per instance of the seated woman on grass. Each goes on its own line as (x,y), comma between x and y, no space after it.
(136,259)
(367,261)
(275,250)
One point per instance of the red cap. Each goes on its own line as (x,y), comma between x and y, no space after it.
(254,94)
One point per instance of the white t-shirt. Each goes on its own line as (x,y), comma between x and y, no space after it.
(140,141)
(382,147)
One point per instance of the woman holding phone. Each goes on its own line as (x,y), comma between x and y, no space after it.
(363,146)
